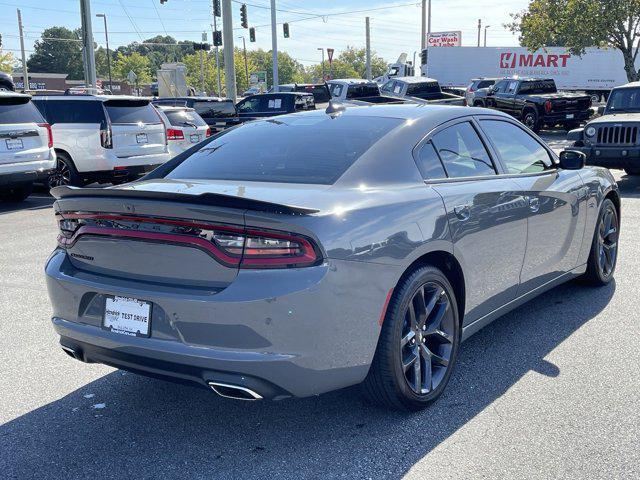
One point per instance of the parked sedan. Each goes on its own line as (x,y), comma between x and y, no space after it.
(300,254)
(185,128)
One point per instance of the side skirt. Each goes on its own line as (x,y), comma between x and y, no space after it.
(482,322)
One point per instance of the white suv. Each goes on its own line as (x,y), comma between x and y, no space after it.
(26,146)
(185,128)
(103,138)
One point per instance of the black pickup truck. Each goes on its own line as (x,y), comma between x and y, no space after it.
(537,103)
(273,104)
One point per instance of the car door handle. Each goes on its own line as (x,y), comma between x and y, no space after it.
(534,204)
(463,212)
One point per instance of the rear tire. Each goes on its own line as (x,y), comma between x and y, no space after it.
(603,257)
(416,351)
(65,173)
(18,193)
(531,120)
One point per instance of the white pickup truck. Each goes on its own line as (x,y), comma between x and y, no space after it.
(421,90)
(358,91)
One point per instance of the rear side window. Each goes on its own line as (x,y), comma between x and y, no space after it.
(214,109)
(18,110)
(462,152)
(519,151)
(291,149)
(72,111)
(180,118)
(429,163)
(131,111)
(501,87)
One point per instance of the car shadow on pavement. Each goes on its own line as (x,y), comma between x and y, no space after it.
(31,203)
(629,186)
(136,427)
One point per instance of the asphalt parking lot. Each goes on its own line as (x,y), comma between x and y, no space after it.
(551,390)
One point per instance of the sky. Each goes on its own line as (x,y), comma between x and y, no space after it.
(313,23)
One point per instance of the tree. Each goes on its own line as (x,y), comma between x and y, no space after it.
(102,69)
(289,69)
(339,69)
(6,61)
(159,49)
(192,62)
(58,51)
(357,59)
(135,63)
(578,24)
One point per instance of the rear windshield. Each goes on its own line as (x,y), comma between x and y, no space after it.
(320,92)
(538,86)
(485,83)
(291,149)
(214,109)
(18,110)
(180,118)
(71,111)
(415,89)
(131,111)
(363,90)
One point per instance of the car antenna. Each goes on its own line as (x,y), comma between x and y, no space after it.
(335,107)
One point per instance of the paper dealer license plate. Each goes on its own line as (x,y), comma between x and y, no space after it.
(127,316)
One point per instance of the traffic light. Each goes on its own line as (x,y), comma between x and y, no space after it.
(216,8)
(252,34)
(217,38)
(162,2)
(243,16)
(285,28)
(201,46)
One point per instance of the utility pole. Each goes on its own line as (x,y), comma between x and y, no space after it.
(423,40)
(322,50)
(87,42)
(229,65)
(274,47)
(25,74)
(215,29)
(479,30)
(485,34)
(202,73)
(106,36)
(246,66)
(368,44)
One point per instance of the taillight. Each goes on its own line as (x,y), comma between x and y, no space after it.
(232,246)
(471,89)
(208,133)
(547,106)
(174,134)
(106,138)
(49,133)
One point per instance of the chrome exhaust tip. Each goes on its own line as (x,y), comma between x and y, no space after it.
(234,391)
(72,352)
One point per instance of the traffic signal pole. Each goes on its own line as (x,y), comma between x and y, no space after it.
(215,29)
(274,46)
(227,40)
(368,49)
(87,43)
(25,74)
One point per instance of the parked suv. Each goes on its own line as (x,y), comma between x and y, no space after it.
(477,91)
(219,113)
(185,128)
(26,146)
(103,138)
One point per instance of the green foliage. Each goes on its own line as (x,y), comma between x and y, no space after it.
(357,59)
(289,69)
(578,24)
(6,61)
(158,50)
(339,69)
(135,62)
(58,51)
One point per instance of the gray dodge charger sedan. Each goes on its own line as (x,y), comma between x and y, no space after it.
(309,252)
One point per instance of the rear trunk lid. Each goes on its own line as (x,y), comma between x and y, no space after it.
(23,134)
(136,128)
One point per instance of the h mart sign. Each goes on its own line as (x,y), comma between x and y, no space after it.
(444,39)
(512,60)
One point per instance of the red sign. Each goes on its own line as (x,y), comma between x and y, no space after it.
(330,54)
(513,60)
(444,39)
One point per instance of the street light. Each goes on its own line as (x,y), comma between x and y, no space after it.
(322,50)
(106,36)
(246,67)
(485,34)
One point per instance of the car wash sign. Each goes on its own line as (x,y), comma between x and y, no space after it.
(444,39)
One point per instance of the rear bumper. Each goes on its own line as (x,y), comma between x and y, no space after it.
(27,172)
(107,161)
(562,117)
(612,157)
(284,332)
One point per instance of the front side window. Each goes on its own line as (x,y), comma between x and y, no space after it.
(291,149)
(387,87)
(501,87)
(462,152)
(519,151)
(513,86)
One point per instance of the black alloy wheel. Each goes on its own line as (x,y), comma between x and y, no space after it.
(608,241)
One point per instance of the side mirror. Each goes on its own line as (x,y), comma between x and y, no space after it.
(572,160)
(600,110)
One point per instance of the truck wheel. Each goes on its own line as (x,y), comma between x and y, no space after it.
(531,120)
(65,173)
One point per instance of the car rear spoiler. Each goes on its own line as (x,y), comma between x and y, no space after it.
(214,199)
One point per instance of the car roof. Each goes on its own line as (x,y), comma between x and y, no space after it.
(293,94)
(172,108)
(86,97)
(415,79)
(197,99)
(351,81)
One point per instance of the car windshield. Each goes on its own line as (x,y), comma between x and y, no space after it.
(538,87)
(624,100)
(131,111)
(290,149)
(179,118)
(18,110)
